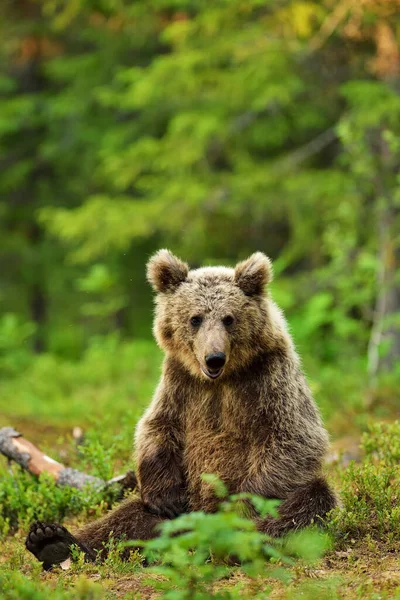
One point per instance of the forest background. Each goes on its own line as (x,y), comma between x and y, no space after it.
(214,129)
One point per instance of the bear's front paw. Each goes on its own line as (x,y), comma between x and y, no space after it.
(172,503)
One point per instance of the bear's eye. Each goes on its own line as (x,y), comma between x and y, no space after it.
(196,321)
(227,321)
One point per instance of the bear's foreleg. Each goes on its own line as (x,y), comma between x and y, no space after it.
(160,471)
(162,486)
(307,504)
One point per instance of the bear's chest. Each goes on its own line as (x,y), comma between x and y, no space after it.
(218,441)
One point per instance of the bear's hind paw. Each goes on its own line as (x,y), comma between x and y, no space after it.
(51,544)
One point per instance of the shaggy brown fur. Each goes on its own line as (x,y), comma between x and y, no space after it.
(251,421)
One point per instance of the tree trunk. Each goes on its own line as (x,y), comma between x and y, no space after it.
(38,299)
(384,344)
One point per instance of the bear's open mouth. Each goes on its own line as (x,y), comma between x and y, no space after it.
(212,374)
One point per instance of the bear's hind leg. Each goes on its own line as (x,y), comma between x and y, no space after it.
(51,543)
(309,503)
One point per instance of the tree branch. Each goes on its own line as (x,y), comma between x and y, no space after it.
(15,447)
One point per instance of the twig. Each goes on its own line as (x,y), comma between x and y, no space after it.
(330,24)
(309,149)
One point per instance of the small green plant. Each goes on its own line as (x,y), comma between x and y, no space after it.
(97,457)
(197,551)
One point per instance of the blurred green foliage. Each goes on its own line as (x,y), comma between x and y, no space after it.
(213,130)
(113,381)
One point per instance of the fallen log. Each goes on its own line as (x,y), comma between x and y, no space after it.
(15,447)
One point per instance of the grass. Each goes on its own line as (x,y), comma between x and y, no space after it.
(105,393)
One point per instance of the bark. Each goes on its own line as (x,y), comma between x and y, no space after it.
(384,343)
(38,296)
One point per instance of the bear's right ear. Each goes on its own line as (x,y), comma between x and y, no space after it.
(253,274)
(165,271)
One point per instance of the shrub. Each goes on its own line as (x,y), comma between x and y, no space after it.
(382,442)
(371,490)
(24,499)
(197,550)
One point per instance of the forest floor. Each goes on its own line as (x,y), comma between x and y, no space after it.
(363,568)
(360,571)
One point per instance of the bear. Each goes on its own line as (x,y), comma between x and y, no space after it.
(232,400)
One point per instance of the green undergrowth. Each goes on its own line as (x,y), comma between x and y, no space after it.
(217,555)
(370,491)
(24,498)
(195,552)
(196,556)
(16,586)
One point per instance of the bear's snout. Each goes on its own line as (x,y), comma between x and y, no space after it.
(216,361)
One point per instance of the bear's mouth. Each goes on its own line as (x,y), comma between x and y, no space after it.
(212,373)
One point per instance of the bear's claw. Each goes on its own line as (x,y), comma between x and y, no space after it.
(51,544)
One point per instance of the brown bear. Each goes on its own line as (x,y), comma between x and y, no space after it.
(232,400)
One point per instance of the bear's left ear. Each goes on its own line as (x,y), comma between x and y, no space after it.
(165,271)
(253,274)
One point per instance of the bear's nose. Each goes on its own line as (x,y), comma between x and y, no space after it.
(215,361)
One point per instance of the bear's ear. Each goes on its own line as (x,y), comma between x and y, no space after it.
(253,274)
(165,271)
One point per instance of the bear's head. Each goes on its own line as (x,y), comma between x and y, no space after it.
(214,320)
